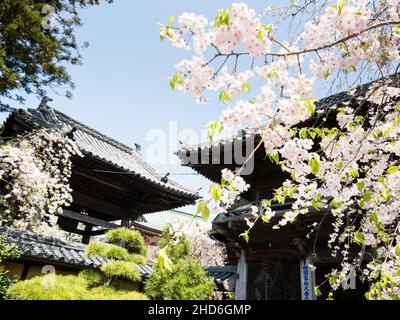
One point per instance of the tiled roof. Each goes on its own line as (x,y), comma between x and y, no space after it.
(322,107)
(33,245)
(224,276)
(221,273)
(245,211)
(96,145)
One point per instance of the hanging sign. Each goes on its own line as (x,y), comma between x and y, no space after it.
(307,277)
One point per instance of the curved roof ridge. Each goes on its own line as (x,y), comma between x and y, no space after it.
(109,140)
(100,146)
(95,132)
(321,104)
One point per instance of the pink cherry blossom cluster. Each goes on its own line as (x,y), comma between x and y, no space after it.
(190,22)
(343,18)
(244,28)
(233,186)
(197,75)
(352,171)
(207,251)
(232,83)
(35,168)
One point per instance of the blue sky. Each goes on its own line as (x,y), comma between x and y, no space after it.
(122,88)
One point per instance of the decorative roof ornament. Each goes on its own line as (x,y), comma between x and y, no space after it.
(43,103)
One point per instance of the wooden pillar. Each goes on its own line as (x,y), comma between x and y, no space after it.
(241,277)
(86,234)
(25,272)
(307,277)
(125,222)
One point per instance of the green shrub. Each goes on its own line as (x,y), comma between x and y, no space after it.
(49,287)
(103,293)
(137,258)
(177,251)
(93,278)
(107,251)
(131,240)
(58,287)
(126,251)
(123,269)
(187,281)
(7,252)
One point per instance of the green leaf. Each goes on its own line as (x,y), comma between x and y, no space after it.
(315,202)
(260,34)
(310,105)
(327,74)
(353,172)
(267,27)
(265,219)
(176,82)
(216,191)
(360,186)
(375,219)
(203,209)
(303,133)
(224,97)
(222,18)
(359,238)
(341,6)
(280,199)
(385,194)
(213,128)
(274,157)
(165,31)
(367,196)
(314,163)
(245,236)
(171,20)
(398,251)
(162,33)
(392,169)
(163,260)
(246,87)
(317,291)
(336,204)
(312,134)
(397,29)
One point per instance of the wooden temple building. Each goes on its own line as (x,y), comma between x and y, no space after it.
(112,187)
(112,184)
(274,264)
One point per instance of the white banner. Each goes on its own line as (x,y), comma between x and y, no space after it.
(307,277)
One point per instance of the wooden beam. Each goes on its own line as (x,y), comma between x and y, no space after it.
(92,175)
(87,219)
(98,232)
(90,202)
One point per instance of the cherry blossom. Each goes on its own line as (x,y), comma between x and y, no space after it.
(35,169)
(351,169)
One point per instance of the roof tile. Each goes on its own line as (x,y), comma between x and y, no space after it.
(101,147)
(33,245)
